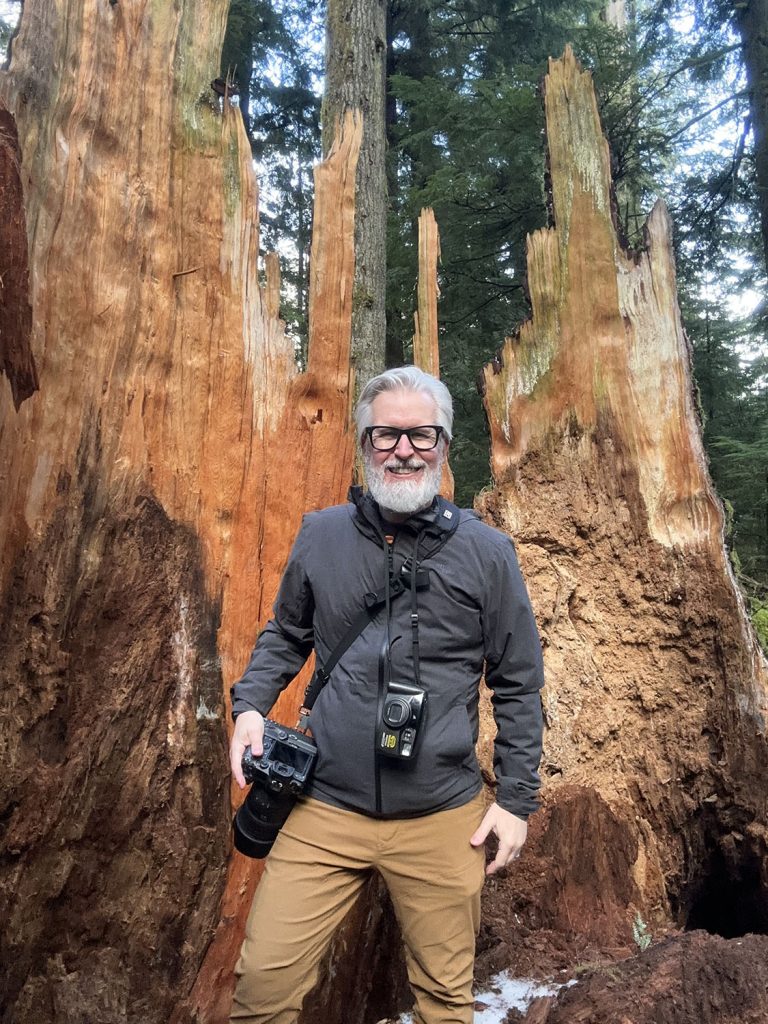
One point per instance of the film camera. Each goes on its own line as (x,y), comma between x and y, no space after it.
(402,711)
(277,778)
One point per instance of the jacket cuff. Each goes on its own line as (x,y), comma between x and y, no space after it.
(517,798)
(245,707)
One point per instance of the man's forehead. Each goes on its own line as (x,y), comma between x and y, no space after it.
(416,405)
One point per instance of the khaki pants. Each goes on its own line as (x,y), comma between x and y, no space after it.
(317,867)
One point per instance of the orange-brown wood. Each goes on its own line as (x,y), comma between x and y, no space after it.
(655,701)
(308,464)
(16,360)
(426,349)
(151,488)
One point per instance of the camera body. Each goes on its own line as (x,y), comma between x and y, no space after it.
(277,777)
(397,731)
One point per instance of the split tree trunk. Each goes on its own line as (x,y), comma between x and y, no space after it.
(145,507)
(655,703)
(355,68)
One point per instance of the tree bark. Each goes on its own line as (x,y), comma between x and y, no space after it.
(355,69)
(752,20)
(655,700)
(145,508)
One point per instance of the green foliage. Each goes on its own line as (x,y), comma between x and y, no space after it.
(759,613)
(272,49)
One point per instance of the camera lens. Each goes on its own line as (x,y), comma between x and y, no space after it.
(253,837)
(396,712)
(258,820)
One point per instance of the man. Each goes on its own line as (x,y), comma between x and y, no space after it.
(419,819)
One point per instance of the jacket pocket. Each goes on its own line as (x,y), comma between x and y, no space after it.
(343,730)
(453,738)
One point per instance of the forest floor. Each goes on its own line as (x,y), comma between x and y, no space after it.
(683,978)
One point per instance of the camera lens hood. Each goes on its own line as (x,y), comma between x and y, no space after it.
(253,838)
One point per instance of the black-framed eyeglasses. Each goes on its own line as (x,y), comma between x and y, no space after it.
(386,439)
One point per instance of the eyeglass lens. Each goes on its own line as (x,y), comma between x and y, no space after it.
(387,438)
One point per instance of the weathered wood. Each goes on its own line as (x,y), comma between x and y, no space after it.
(426,353)
(152,487)
(426,349)
(308,454)
(655,700)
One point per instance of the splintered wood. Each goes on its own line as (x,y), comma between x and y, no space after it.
(426,353)
(656,692)
(151,489)
(426,349)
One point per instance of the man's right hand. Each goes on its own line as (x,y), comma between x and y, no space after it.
(249,732)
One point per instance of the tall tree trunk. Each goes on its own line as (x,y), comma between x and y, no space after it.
(752,19)
(145,511)
(394,349)
(656,700)
(355,69)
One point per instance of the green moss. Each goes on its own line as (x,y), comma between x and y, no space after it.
(760,622)
(362,299)
(198,49)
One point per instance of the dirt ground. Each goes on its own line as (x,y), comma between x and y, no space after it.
(688,978)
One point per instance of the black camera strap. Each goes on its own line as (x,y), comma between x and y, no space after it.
(412,578)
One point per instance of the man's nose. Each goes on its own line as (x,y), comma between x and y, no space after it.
(404,449)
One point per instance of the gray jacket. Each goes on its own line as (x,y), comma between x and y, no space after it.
(474,616)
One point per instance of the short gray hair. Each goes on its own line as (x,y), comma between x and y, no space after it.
(405,378)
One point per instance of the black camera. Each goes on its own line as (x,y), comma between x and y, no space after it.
(398,730)
(278,777)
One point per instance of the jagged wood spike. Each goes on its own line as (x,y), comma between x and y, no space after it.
(656,690)
(146,510)
(426,349)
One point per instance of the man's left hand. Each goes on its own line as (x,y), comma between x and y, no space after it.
(511,832)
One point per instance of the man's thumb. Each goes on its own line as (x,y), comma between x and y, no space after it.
(480,836)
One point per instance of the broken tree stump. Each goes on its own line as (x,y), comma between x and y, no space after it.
(145,507)
(655,749)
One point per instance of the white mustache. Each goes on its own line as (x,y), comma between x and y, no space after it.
(409,463)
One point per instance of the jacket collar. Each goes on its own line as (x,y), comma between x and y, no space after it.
(432,519)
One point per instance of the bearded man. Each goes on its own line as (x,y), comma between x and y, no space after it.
(412,807)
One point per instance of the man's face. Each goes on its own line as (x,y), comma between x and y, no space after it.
(403,480)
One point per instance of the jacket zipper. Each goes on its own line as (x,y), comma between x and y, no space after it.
(383,656)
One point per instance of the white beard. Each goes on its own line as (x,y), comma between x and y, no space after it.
(403,496)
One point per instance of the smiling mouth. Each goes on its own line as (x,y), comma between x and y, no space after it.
(404,470)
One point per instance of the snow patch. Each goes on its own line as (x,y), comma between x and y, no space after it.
(504,994)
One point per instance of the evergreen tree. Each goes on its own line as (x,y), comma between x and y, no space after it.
(273,51)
